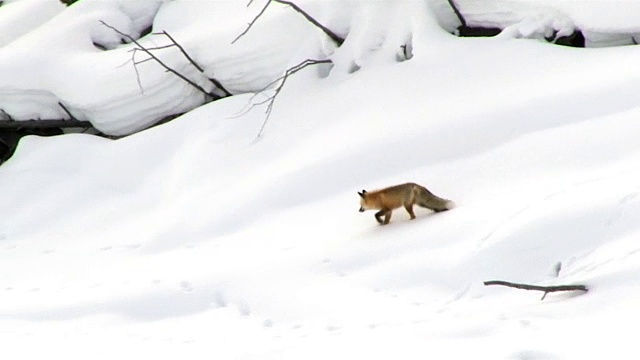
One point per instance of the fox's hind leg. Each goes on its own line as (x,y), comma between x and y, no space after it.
(409,208)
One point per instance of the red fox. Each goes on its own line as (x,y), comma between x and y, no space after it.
(407,195)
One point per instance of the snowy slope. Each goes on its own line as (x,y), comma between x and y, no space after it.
(195,239)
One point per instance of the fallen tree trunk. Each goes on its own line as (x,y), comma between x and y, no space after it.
(43,124)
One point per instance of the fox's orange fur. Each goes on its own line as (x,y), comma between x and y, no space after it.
(409,194)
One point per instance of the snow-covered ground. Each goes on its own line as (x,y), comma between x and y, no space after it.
(197,240)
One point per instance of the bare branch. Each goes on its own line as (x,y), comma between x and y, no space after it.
(463,22)
(182,50)
(154,48)
(337,39)
(545,289)
(282,80)
(252,21)
(66,110)
(135,68)
(142,48)
(190,59)
(142,61)
(8,116)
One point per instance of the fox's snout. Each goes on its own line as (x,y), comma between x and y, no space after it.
(361,209)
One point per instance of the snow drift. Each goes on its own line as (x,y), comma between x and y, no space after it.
(196,239)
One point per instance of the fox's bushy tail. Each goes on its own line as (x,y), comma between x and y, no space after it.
(435,203)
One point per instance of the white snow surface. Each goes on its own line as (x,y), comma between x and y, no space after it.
(197,240)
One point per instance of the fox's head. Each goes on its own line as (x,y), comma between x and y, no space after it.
(363,200)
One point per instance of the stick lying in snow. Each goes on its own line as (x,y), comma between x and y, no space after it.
(545,289)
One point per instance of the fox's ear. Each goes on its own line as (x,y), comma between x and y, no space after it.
(361,193)
(364,191)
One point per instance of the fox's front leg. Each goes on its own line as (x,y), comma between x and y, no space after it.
(387,217)
(378,216)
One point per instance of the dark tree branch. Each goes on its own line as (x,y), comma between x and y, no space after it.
(281,80)
(250,25)
(190,59)
(67,111)
(6,113)
(463,22)
(142,48)
(138,62)
(43,124)
(337,39)
(182,50)
(545,289)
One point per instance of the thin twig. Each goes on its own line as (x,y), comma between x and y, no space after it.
(193,62)
(8,116)
(337,39)
(142,48)
(283,79)
(138,62)
(135,68)
(184,52)
(156,48)
(252,21)
(545,289)
(463,22)
(66,110)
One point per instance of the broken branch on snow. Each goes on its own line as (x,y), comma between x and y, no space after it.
(545,289)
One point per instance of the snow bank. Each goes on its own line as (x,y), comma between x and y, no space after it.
(19,17)
(195,238)
(103,87)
